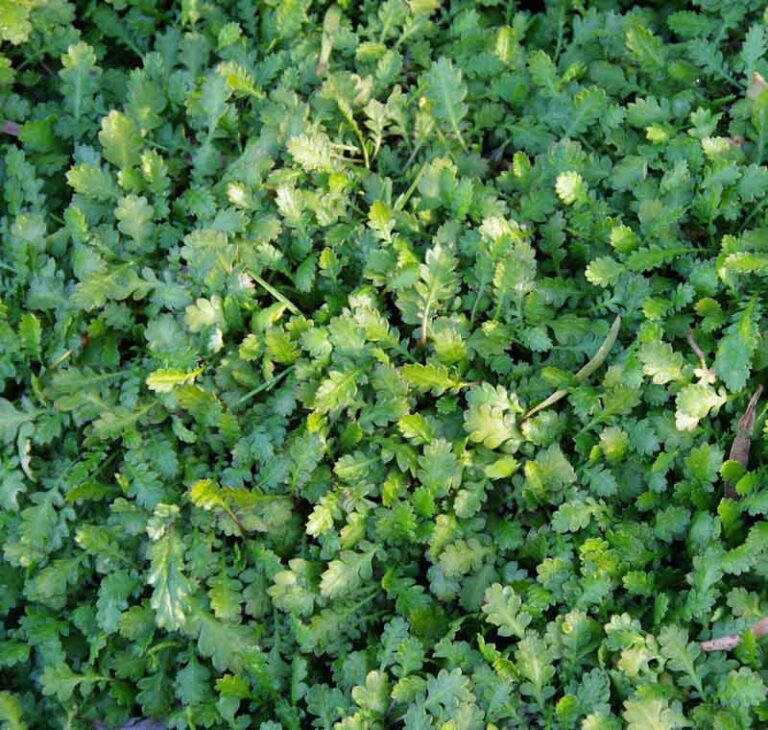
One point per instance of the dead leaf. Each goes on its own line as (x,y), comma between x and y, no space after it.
(743,440)
(756,86)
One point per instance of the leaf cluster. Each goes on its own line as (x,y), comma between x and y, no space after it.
(286,289)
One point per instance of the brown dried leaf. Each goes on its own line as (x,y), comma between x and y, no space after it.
(743,440)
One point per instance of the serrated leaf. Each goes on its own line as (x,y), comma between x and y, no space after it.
(336,392)
(736,349)
(81,76)
(172,589)
(695,402)
(491,416)
(61,681)
(660,362)
(11,419)
(543,71)
(164,381)
(10,712)
(652,714)
(346,574)
(753,48)
(502,607)
(437,285)
(416,428)
(446,90)
(501,468)
(680,654)
(588,106)
(434,377)
(92,181)
(604,271)
(647,48)
(228,646)
(120,140)
(314,153)
(746,263)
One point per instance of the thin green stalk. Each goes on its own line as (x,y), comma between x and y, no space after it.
(480,292)
(265,386)
(406,196)
(597,360)
(275,293)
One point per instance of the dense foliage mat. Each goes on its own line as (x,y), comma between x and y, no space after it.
(281,283)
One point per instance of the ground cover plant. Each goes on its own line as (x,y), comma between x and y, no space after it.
(383,364)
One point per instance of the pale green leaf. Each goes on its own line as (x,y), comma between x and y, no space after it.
(120,139)
(446,90)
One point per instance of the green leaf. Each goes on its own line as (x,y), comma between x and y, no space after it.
(695,402)
(16,27)
(437,285)
(434,377)
(447,691)
(502,608)
(229,647)
(648,49)
(336,392)
(543,71)
(753,48)
(374,696)
(534,662)
(652,714)
(81,77)
(114,593)
(172,589)
(10,712)
(92,182)
(588,106)
(501,468)
(120,140)
(744,689)
(681,654)
(491,417)
(11,419)
(571,188)
(446,91)
(31,334)
(345,575)
(660,362)
(746,262)
(439,468)
(314,153)
(226,596)
(192,683)
(604,271)
(736,349)
(416,428)
(135,216)
(573,516)
(164,381)
(214,94)
(61,681)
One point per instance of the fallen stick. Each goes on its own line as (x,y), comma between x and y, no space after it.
(729,641)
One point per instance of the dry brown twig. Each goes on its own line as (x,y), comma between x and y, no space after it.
(11,128)
(730,641)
